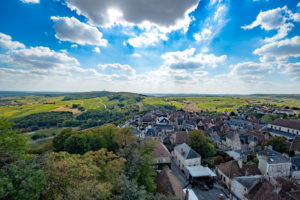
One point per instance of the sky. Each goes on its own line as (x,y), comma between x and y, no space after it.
(153,46)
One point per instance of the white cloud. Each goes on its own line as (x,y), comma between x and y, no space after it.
(7,43)
(279,50)
(30,1)
(74,45)
(204,35)
(187,59)
(147,38)
(249,71)
(274,19)
(136,55)
(213,23)
(291,68)
(72,30)
(96,50)
(298,4)
(117,67)
(40,58)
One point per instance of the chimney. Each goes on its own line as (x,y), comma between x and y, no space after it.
(240,163)
(181,151)
(186,194)
(278,188)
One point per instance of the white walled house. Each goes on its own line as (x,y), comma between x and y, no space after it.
(184,156)
(284,127)
(274,164)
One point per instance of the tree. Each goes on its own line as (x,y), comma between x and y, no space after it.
(124,137)
(83,142)
(93,175)
(268,118)
(21,181)
(278,144)
(131,190)
(13,144)
(59,140)
(108,133)
(200,143)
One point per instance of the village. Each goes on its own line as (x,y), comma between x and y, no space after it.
(245,167)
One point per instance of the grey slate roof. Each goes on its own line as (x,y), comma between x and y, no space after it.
(248,181)
(188,152)
(274,157)
(281,133)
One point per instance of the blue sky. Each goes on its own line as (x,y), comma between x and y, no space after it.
(154,46)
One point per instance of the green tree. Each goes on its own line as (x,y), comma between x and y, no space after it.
(124,137)
(278,144)
(94,175)
(108,133)
(59,139)
(202,144)
(13,144)
(268,118)
(131,190)
(21,181)
(83,142)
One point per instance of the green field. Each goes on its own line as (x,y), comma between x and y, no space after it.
(15,107)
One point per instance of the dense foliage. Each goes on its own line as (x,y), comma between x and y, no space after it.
(202,144)
(278,144)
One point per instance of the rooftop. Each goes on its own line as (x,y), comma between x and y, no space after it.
(293,124)
(186,151)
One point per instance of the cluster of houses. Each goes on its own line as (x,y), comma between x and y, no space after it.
(239,138)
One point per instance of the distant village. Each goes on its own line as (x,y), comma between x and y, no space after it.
(248,170)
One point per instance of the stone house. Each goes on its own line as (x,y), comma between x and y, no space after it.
(162,156)
(184,156)
(274,164)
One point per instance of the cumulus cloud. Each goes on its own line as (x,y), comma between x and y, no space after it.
(7,43)
(279,50)
(147,38)
(275,19)
(291,68)
(40,58)
(249,71)
(107,13)
(30,1)
(117,67)
(188,59)
(96,50)
(72,30)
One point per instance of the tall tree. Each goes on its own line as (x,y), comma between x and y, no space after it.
(278,144)
(202,144)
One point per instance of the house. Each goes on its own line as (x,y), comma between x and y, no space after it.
(227,171)
(231,169)
(162,121)
(274,189)
(242,185)
(295,170)
(296,145)
(260,137)
(202,176)
(148,120)
(179,137)
(184,156)
(274,164)
(162,156)
(287,112)
(284,127)
(241,141)
(168,184)
(236,124)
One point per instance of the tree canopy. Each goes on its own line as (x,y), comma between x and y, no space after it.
(202,144)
